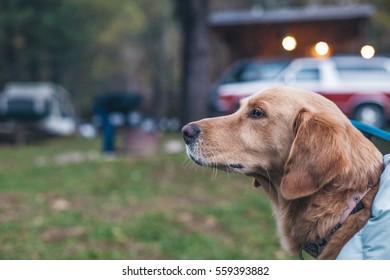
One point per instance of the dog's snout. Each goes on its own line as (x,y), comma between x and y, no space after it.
(190,132)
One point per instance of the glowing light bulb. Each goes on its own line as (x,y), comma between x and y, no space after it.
(289,43)
(321,48)
(367,52)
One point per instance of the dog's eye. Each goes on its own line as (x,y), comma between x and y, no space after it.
(256,113)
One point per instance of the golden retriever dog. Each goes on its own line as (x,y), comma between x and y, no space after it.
(307,156)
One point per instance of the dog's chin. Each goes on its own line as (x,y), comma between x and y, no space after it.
(229,167)
(197,159)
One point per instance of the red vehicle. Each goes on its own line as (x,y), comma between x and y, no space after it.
(360,87)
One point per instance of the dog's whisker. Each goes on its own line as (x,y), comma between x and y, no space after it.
(213,167)
(187,162)
(269,176)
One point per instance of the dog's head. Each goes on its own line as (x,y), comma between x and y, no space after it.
(296,140)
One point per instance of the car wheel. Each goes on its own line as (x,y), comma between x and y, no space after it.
(370,114)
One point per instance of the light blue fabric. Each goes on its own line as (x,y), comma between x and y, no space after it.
(372,242)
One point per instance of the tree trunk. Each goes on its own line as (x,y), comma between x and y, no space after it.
(192,15)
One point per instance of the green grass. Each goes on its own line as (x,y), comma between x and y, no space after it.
(61,199)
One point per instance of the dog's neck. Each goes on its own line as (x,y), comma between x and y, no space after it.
(353,205)
(353,201)
(288,225)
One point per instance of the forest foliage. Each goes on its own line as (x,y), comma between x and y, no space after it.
(86,45)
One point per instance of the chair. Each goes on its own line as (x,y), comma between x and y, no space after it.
(380,137)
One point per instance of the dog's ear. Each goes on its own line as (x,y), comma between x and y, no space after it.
(316,155)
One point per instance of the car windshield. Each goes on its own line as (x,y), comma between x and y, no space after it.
(254,71)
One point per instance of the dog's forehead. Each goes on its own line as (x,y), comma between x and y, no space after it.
(265,99)
(253,100)
(286,97)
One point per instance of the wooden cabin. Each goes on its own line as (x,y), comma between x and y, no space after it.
(259,33)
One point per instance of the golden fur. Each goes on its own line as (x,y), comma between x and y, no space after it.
(306,155)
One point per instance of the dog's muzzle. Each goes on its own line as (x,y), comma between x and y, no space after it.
(191,133)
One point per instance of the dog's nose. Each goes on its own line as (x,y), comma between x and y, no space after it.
(190,132)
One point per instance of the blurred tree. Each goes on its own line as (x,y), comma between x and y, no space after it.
(192,16)
(26,52)
(46,40)
(87,45)
(160,44)
(381,26)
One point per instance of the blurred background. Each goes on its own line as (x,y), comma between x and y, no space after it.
(93,94)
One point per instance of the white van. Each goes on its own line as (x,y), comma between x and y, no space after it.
(37,107)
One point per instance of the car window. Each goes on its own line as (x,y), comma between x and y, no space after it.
(308,74)
(259,71)
(363,73)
